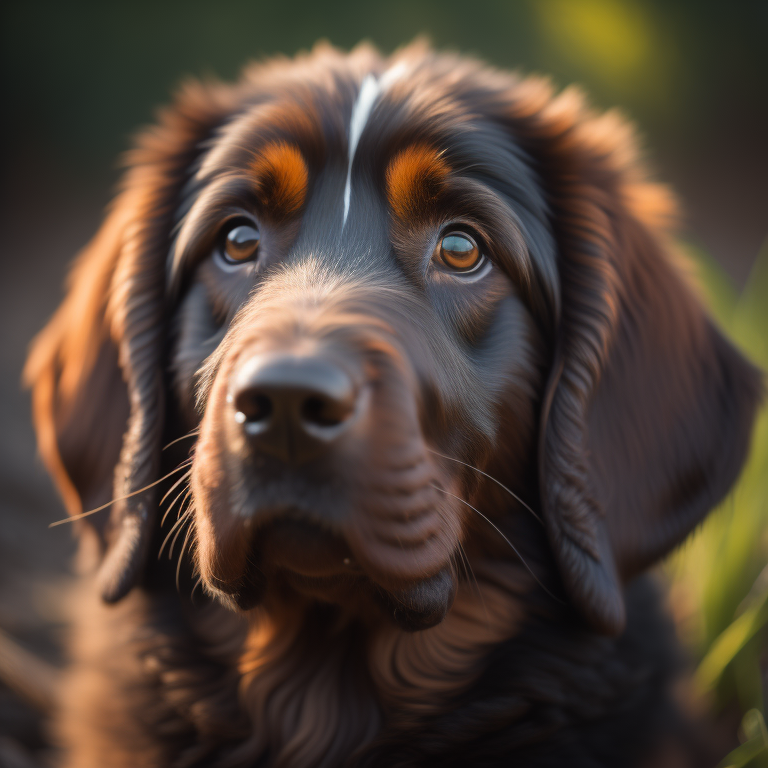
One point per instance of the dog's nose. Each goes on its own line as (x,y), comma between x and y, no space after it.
(292,406)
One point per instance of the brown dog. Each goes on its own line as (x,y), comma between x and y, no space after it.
(444,394)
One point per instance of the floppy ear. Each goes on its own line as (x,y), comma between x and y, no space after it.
(648,410)
(96,368)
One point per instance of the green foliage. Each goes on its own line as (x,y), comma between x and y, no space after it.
(720,576)
(753,752)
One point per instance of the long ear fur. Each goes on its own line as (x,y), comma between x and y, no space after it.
(648,410)
(96,368)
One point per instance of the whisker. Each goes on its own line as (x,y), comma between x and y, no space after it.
(184,500)
(501,533)
(184,496)
(72,518)
(181,556)
(493,479)
(170,533)
(463,559)
(175,486)
(478,591)
(184,492)
(186,516)
(193,433)
(198,582)
(468,570)
(458,563)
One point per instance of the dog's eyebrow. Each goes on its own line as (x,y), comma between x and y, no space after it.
(276,178)
(415,178)
(281,177)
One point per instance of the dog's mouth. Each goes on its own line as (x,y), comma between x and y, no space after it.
(306,550)
(362,533)
(317,563)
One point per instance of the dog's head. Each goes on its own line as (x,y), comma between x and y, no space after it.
(369,284)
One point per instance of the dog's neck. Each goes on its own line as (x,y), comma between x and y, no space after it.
(316,679)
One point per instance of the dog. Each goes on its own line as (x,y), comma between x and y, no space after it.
(395,357)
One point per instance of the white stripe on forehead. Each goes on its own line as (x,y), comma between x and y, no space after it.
(370,91)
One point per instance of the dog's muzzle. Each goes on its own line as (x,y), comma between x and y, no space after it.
(312,467)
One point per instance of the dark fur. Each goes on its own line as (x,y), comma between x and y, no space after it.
(581,372)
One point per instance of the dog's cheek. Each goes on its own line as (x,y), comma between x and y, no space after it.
(197,333)
(512,357)
(468,308)
(223,535)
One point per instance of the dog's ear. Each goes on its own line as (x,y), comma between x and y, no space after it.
(96,368)
(648,410)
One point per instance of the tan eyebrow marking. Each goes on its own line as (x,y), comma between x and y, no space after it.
(415,178)
(281,178)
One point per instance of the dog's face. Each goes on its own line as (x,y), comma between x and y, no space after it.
(368,283)
(355,315)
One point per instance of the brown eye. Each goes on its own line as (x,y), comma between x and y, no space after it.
(241,244)
(460,252)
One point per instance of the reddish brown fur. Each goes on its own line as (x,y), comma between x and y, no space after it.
(281,176)
(415,178)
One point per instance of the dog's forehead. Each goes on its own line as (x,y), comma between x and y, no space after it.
(347,130)
(360,241)
(344,221)
(347,150)
(353,122)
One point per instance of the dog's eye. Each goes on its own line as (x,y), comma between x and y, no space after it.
(459,252)
(241,244)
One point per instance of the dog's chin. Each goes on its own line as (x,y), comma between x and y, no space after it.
(295,557)
(423,604)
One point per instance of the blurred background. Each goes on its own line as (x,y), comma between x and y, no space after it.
(78,79)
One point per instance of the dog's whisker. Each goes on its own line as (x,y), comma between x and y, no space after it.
(459,562)
(183,519)
(182,494)
(468,570)
(463,558)
(503,536)
(469,574)
(193,433)
(198,582)
(80,516)
(492,479)
(170,533)
(184,500)
(475,583)
(175,486)
(459,565)
(190,528)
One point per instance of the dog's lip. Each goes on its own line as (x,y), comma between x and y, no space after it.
(310,552)
(306,549)
(317,561)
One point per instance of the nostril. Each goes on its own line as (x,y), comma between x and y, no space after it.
(293,406)
(252,407)
(322,412)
